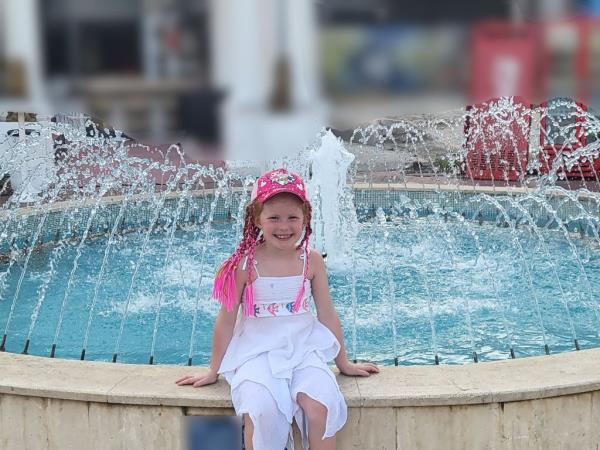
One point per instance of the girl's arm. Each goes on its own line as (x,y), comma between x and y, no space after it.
(328,316)
(224,325)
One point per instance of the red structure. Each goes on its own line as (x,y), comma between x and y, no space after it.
(570,118)
(505,60)
(569,52)
(534,61)
(497,139)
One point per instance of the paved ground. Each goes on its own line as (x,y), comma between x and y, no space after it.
(392,150)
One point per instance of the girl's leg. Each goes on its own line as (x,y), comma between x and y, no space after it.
(248,432)
(316,416)
(266,428)
(322,408)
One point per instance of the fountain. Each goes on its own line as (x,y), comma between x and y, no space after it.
(334,209)
(468,237)
(422,231)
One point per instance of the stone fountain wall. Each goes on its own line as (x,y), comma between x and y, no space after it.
(545,402)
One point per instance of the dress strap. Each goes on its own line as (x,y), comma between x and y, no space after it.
(254,263)
(303,257)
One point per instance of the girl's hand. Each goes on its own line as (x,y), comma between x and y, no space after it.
(201,380)
(358,369)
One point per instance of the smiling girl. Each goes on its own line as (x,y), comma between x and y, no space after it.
(275,355)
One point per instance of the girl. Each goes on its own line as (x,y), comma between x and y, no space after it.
(275,357)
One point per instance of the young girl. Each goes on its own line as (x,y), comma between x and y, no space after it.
(275,355)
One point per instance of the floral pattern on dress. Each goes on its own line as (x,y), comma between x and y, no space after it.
(280,309)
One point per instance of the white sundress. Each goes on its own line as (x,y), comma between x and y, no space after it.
(276,354)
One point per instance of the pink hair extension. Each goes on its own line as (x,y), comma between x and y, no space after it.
(305,240)
(224,285)
(249,294)
(300,296)
(224,289)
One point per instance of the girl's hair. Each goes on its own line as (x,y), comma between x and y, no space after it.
(224,288)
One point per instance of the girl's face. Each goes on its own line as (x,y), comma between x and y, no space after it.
(282,221)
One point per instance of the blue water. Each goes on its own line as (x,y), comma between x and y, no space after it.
(432,263)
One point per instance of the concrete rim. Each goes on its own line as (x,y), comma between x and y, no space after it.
(489,382)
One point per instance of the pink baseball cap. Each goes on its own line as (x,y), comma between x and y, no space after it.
(278,181)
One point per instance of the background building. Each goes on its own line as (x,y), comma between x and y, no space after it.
(263,75)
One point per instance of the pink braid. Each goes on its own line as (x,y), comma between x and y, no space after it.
(249,294)
(305,240)
(300,296)
(224,289)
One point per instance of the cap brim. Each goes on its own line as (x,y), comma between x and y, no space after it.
(282,190)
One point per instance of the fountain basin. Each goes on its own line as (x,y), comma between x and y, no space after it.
(537,402)
(542,401)
(467,315)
